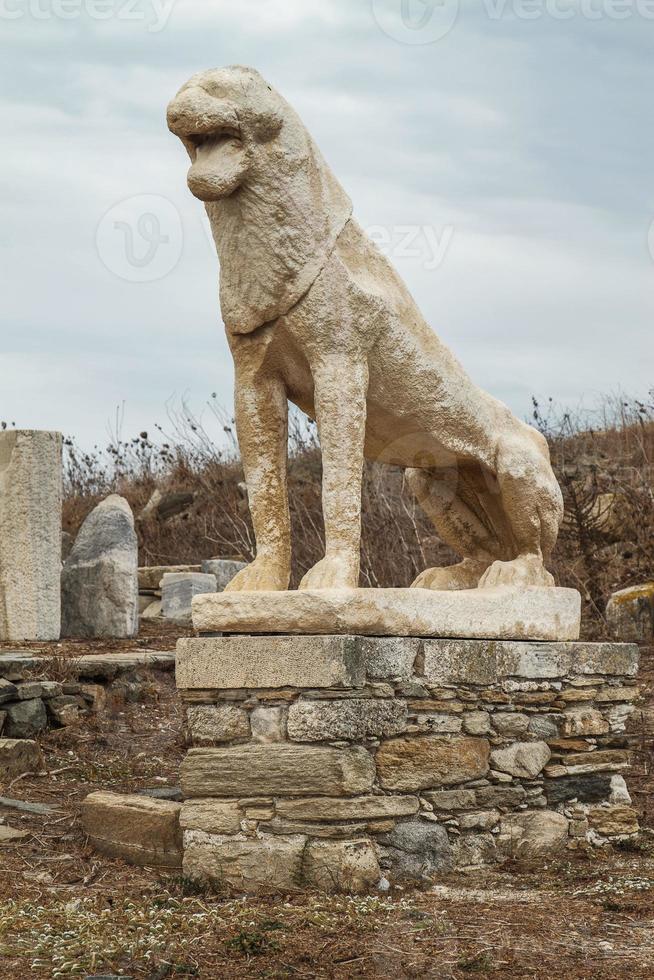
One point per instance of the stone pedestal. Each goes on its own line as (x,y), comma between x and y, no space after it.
(334,761)
(30,535)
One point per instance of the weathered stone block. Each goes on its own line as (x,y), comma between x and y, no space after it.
(630,614)
(522,759)
(350,867)
(150,576)
(230,662)
(8,691)
(614,821)
(178,590)
(511,724)
(389,657)
(25,719)
(418,850)
(209,724)
(267,865)
(138,829)
(481,820)
(99,580)
(291,770)
(451,799)
(545,727)
(584,721)
(618,659)
(18,756)
(64,710)
(358,808)
(268,724)
(535,613)
(504,797)
(223,570)
(476,723)
(211,816)
(353,719)
(30,535)
(475,850)
(421,762)
(586,789)
(38,689)
(533,833)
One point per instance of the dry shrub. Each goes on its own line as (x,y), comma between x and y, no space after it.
(601,548)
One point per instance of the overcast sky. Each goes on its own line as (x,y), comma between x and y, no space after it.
(500,150)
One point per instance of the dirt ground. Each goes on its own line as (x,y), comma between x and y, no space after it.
(66,911)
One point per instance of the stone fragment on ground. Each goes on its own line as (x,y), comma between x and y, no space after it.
(139,829)
(150,576)
(99,578)
(10,835)
(18,756)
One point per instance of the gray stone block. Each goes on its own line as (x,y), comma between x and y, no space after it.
(30,535)
(389,657)
(99,579)
(291,770)
(418,850)
(25,719)
(223,569)
(258,662)
(352,719)
(484,662)
(178,590)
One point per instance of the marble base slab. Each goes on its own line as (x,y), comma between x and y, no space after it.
(500,613)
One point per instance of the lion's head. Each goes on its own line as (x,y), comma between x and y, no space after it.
(222,117)
(275,208)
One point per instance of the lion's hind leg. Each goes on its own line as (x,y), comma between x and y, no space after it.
(533,504)
(466,518)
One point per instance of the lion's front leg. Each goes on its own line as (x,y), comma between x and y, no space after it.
(340,389)
(262,428)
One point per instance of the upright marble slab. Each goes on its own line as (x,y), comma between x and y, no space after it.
(30,535)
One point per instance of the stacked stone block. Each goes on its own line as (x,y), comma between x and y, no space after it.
(334,761)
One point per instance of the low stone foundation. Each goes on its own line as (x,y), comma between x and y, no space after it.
(337,761)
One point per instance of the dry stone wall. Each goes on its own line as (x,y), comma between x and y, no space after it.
(337,761)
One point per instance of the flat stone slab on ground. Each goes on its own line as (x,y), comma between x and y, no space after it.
(105,665)
(139,829)
(501,613)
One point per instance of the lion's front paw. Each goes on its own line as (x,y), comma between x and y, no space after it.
(333,572)
(262,575)
(519,573)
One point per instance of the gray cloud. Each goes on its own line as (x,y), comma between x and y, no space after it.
(528,139)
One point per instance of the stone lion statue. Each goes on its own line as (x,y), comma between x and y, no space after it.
(315,314)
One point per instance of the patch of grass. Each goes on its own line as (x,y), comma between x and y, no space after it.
(477,963)
(251,943)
